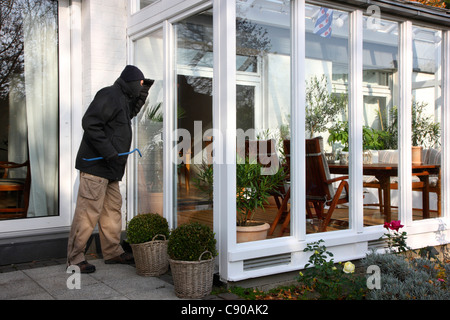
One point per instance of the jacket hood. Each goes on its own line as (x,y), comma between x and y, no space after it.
(131,89)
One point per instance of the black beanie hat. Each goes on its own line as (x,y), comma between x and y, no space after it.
(131,73)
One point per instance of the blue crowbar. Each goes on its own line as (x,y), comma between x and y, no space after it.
(120,154)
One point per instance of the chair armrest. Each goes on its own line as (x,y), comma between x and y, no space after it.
(336,179)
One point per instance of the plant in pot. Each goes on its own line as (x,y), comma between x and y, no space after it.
(148,235)
(191,250)
(425,131)
(373,139)
(254,187)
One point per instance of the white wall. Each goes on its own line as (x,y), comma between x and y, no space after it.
(104,37)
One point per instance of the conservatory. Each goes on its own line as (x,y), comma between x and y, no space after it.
(263,83)
(299,118)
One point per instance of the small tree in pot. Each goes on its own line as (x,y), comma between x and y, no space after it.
(191,249)
(150,254)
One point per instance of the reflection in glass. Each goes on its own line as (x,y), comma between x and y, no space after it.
(426,115)
(149,126)
(263,74)
(193,172)
(326,116)
(29,105)
(380,128)
(146,3)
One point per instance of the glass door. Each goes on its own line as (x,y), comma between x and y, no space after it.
(149,127)
(193,168)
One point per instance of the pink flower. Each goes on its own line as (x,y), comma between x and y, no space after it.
(387,225)
(395,225)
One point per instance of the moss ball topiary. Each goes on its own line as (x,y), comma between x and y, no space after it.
(188,241)
(144,227)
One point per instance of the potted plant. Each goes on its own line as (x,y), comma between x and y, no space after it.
(254,187)
(191,250)
(425,132)
(150,253)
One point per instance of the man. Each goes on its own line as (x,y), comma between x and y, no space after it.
(107,133)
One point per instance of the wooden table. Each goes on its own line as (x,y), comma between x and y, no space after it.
(384,171)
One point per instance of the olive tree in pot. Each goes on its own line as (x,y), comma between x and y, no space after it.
(148,235)
(191,250)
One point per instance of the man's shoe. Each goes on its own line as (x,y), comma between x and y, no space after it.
(124,258)
(86,267)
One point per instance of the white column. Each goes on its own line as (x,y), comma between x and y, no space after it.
(445,128)
(404,123)
(298,214)
(224,121)
(355,95)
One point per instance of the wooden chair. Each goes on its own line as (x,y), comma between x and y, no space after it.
(282,207)
(18,185)
(319,185)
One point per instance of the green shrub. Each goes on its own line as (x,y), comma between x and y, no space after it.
(406,280)
(188,241)
(144,227)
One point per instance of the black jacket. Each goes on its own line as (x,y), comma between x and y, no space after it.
(107,130)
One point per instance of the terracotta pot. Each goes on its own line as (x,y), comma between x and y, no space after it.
(416,155)
(257,231)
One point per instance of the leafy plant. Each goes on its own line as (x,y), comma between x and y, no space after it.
(425,132)
(144,227)
(204,180)
(373,139)
(396,240)
(322,106)
(253,189)
(188,241)
(402,279)
(331,281)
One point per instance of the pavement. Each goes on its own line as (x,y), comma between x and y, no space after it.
(52,281)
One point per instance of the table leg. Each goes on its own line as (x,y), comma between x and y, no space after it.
(385,185)
(425,197)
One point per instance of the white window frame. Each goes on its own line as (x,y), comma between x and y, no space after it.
(352,243)
(70,106)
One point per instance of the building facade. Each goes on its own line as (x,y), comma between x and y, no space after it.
(372,80)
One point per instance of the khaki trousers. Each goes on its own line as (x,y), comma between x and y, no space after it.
(99,202)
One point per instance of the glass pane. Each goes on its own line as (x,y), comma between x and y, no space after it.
(193,171)
(426,117)
(149,167)
(29,107)
(145,3)
(380,128)
(326,118)
(263,73)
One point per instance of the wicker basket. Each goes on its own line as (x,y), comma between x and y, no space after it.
(151,257)
(192,279)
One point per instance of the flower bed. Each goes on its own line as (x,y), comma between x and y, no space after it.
(394,275)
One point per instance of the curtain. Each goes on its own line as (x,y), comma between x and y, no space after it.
(41,91)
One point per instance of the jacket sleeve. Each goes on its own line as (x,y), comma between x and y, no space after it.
(94,125)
